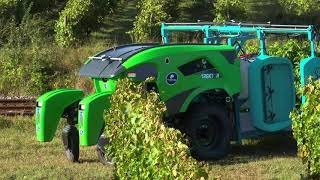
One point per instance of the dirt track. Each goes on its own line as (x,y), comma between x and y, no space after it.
(11,106)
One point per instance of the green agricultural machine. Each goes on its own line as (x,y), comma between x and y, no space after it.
(212,93)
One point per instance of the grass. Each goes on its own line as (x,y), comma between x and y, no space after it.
(22,157)
(271,157)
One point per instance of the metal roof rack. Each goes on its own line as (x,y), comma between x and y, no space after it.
(238,31)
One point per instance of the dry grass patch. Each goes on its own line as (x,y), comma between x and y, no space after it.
(21,156)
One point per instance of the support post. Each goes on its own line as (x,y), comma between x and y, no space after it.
(311,38)
(210,37)
(165,34)
(262,42)
(241,38)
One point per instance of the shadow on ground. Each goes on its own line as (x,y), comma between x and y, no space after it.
(273,146)
(87,160)
(5,123)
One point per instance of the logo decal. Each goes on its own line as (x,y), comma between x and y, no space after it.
(210,76)
(81,118)
(172,78)
(81,132)
(132,75)
(37,115)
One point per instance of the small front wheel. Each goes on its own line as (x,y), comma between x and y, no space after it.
(70,139)
(101,150)
(102,141)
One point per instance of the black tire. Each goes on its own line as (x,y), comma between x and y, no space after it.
(103,140)
(70,139)
(209,131)
(101,150)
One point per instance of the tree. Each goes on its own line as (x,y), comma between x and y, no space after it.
(302,11)
(300,7)
(192,11)
(229,9)
(264,11)
(152,13)
(80,17)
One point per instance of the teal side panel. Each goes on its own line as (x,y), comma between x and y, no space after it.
(271,93)
(309,67)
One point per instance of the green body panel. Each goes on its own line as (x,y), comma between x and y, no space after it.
(104,86)
(52,107)
(181,54)
(91,117)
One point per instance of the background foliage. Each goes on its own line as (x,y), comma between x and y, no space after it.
(141,146)
(86,17)
(79,18)
(306,128)
(31,65)
(229,9)
(301,7)
(293,49)
(152,14)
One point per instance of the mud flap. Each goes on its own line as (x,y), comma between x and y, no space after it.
(309,67)
(49,109)
(271,93)
(91,117)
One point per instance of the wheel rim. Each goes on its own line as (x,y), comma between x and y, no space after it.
(206,133)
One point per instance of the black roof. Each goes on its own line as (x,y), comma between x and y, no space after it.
(108,62)
(125,51)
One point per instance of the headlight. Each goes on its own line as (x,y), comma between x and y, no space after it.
(82,106)
(39,104)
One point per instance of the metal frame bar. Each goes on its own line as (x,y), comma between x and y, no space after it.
(237,24)
(213,32)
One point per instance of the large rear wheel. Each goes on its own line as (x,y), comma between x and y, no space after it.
(209,130)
